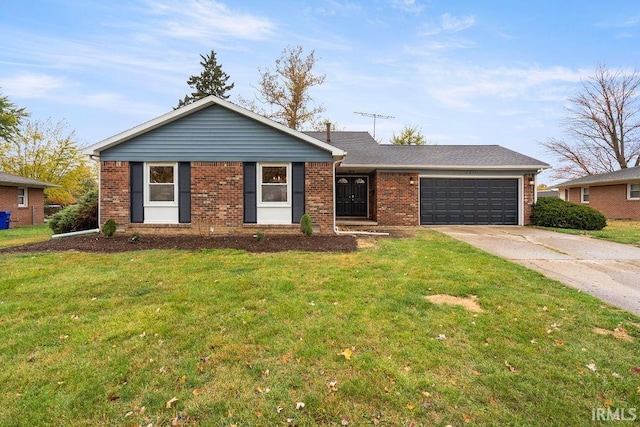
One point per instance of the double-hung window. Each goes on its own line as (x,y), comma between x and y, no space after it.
(584,195)
(23,198)
(274,184)
(161,183)
(633,191)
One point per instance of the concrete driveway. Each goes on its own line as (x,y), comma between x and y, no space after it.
(609,271)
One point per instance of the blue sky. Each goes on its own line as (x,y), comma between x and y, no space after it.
(463,72)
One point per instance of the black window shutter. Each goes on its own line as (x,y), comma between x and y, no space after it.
(184,192)
(297,190)
(250,193)
(136,181)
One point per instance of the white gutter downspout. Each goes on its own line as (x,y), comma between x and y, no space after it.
(97,160)
(76,233)
(335,227)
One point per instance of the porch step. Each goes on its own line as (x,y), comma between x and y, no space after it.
(356,222)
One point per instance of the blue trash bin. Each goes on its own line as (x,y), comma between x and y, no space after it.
(5,217)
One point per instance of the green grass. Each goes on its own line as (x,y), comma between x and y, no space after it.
(23,235)
(241,338)
(621,231)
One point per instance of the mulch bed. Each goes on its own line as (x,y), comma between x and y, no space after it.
(122,243)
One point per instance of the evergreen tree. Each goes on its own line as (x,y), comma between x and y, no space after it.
(10,118)
(212,81)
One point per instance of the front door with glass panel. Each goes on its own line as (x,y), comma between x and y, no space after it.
(351,196)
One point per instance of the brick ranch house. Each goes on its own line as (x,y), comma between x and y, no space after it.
(615,194)
(24,198)
(213,167)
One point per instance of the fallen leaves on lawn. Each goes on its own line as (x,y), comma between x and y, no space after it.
(347,353)
(619,333)
(592,367)
(332,385)
(508,365)
(171,402)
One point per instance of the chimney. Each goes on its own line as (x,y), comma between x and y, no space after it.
(328,131)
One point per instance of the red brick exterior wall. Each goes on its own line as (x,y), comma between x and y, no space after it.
(30,215)
(217,205)
(528,196)
(394,201)
(115,196)
(373,205)
(397,200)
(217,196)
(318,189)
(611,200)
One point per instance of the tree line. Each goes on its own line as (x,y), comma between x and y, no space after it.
(601,125)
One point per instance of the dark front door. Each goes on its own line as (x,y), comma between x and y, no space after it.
(351,196)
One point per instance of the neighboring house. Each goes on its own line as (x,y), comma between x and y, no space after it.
(24,197)
(549,193)
(615,194)
(213,167)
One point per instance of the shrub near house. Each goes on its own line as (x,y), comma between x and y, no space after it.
(554,212)
(83,216)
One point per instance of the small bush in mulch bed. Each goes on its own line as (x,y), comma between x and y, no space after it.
(305,225)
(554,212)
(124,243)
(109,227)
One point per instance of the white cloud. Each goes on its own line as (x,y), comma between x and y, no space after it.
(449,24)
(33,85)
(336,8)
(205,21)
(462,87)
(407,5)
(118,103)
(629,22)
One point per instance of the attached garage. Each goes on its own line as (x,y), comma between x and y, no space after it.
(472,201)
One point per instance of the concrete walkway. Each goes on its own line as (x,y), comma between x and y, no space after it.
(606,270)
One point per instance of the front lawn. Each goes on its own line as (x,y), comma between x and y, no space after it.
(23,235)
(223,337)
(621,231)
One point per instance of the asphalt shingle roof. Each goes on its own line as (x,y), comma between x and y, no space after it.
(363,150)
(15,180)
(628,174)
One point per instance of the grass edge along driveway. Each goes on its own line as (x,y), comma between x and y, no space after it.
(221,337)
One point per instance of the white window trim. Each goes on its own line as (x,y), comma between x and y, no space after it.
(25,203)
(262,204)
(147,167)
(629,191)
(582,195)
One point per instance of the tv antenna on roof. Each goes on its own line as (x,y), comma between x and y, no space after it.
(375,116)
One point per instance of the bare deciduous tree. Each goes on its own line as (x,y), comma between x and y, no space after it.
(602,125)
(286,89)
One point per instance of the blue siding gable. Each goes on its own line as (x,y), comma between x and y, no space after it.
(215,134)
